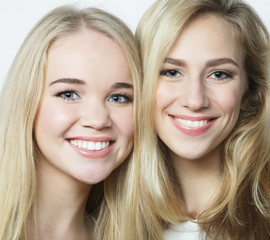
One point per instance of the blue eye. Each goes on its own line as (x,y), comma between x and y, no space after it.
(68,95)
(170,73)
(219,75)
(117,98)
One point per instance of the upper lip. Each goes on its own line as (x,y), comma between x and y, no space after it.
(191,118)
(91,139)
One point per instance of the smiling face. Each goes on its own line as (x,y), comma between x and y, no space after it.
(200,89)
(84,125)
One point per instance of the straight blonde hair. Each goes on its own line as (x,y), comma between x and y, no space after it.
(19,101)
(242,209)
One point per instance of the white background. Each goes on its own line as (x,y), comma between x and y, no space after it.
(17,17)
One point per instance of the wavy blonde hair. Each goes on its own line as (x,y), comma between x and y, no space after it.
(242,208)
(20,98)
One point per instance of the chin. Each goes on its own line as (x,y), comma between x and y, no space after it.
(94,177)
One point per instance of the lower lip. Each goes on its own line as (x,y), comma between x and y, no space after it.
(93,154)
(192,131)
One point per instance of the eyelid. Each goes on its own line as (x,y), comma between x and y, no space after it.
(165,71)
(227,74)
(71,91)
(128,97)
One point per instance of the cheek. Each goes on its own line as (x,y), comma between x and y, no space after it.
(162,101)
(123,120)
(53,119)
(230,103)
(160,98)
(166,94)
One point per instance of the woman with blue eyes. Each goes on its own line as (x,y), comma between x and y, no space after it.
(68,111)
(205,149)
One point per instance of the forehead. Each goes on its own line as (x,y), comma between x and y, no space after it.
(208,33)
(87,54)
(85,40)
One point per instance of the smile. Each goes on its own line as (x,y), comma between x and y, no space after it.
(193,126)
(89,145)
(190,123)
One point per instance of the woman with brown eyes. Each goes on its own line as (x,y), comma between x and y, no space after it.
(205,149)
(68,111)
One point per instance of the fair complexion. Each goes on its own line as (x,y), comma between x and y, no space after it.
(83,128)
(199,96)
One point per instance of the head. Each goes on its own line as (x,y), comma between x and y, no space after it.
(157,33)
(26,77)
(164,22)
(24,87)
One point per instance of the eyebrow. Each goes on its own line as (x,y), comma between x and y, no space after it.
(118,85)
(174,61)
(214,62)
(69,81)
(221,61)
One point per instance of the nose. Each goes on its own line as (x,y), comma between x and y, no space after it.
(94,114)
(195,95)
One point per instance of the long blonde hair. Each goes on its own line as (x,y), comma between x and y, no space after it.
(242,209)
(20,98)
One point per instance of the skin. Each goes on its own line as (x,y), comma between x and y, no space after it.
(198,100)
(83,128)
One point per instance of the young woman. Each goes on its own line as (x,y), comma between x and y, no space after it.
(66,123)
(205,149)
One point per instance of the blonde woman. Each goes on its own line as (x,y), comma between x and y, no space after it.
(205,149)
(66,124)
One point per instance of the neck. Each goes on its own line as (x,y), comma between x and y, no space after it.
(200,182)
(61,204)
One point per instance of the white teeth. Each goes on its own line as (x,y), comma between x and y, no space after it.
(98,145)
(192,124)
(91,146)
(85,145)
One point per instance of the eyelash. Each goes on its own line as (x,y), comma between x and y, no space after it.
(222,73)
(173,73)
(126,97)
(71,92)
(170,73)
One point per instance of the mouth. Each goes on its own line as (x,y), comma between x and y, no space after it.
(90,145)
(193,126)
(192,123)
